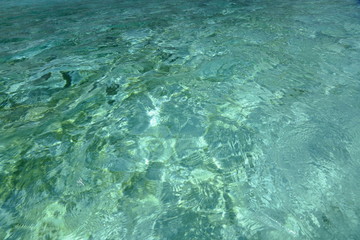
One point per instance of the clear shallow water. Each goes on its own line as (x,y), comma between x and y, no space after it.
(168,120)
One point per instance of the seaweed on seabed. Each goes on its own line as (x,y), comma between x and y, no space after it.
(112,90)
(67,77)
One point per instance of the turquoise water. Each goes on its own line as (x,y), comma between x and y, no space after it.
(155,120)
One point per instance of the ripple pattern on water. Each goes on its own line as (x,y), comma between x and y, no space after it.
(221,119)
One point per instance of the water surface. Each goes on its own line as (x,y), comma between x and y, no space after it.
(220,119)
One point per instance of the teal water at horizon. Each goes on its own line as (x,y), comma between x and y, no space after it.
(155,120)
